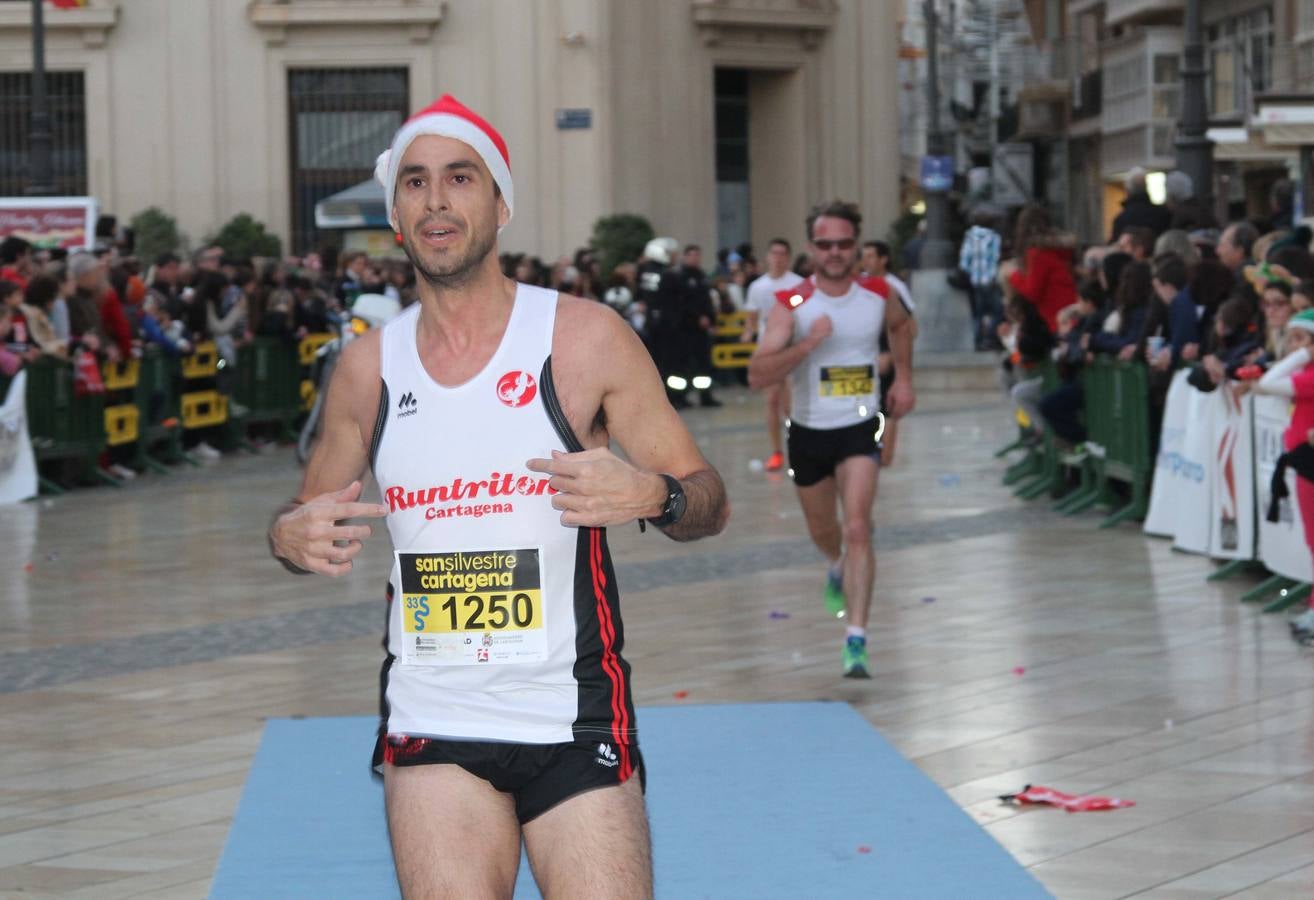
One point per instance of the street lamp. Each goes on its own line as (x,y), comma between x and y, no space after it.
(1195,152)
(39,141)
(937,253)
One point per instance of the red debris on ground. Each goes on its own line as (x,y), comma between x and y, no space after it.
(1071,802)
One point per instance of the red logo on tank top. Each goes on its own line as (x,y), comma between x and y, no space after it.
(516,388)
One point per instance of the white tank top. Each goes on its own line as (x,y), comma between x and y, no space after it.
(503,624)
(762,292)
(838,384)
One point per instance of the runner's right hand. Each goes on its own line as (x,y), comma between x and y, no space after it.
(312,537)
(821,329)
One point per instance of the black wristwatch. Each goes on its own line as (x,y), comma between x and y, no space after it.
(673,511)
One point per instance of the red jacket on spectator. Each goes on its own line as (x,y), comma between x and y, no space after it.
(115,322)
(1045,279)
(9,273)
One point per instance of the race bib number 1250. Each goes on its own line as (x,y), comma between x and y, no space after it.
(472,607)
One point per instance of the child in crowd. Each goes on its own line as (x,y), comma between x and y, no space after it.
(1236,344)
(1067,350)
(159,328)
(1293,378)
(1063,407)
(1028,340)
(1069,320)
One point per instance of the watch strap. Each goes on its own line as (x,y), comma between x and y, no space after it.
(673,490)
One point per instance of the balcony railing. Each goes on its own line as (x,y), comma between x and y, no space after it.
(1292,68)
(1045,62)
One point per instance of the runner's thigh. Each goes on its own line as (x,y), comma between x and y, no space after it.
(453,835)
(594,845)
(856,479)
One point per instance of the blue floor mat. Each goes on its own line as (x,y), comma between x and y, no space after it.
(788,800)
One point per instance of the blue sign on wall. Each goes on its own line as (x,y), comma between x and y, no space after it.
(937,173)
(574,118)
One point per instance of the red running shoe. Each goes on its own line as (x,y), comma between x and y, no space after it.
(775,462)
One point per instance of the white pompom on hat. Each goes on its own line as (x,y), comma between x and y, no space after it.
(1303,320)
(447,117)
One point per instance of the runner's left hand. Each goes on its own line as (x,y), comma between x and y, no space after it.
(597,488)
(900,398)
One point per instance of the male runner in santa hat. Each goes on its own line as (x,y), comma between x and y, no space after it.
(485,414)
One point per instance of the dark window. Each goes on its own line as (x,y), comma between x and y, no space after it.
(68,132)
(339,120)
(732,125)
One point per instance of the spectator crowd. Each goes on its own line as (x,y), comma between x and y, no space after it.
(94,307)
(108,305)
(1172,288)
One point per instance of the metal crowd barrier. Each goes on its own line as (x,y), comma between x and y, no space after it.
(149,402)
(1117,448)
(269,380)
(731,351)
(64,426)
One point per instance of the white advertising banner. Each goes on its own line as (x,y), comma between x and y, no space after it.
(1194,499)
(1282,547)
(1170,472)
(18,472)
(1232,535)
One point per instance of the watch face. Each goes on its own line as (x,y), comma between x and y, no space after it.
(676,505)
(673,509)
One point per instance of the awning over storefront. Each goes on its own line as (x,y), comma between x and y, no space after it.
(1237,144)
(1288,124)
(359,206)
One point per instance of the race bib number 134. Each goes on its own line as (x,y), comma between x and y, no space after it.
(847,381)
(480,607)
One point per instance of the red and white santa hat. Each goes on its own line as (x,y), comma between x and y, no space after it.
(448,117)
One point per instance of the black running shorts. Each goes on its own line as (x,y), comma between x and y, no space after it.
(537,776)
(814,453)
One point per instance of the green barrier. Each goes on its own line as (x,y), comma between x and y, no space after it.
(159,422)
(1050,477)
(63,425)
(71,428)
(1118,424)
(1040,471)
(269,383)
(1030,464)
(1297,592)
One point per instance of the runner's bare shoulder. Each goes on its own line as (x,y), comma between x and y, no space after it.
(589,333)
(358,378)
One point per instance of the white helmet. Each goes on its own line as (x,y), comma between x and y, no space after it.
(661,250)
(376,309)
